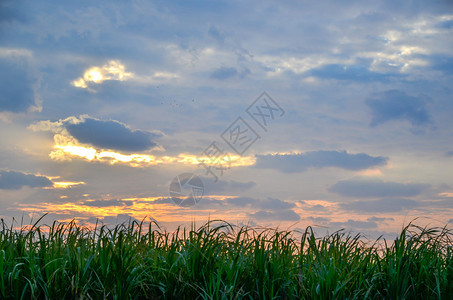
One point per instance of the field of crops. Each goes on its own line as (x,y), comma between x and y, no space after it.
(220,261)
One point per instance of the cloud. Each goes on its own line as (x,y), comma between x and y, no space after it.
(173,48)
(17,94)
(374,188)
(396,105)
(107,203)
(378,219)
(12,180)
(266,204)
(270,209)
(354,224)
(223,73)
(163,200)
(319,220)
(314,208)
(242,201)
(223,186)
(348,72)
(449,153)
(447,24)
(442,63)
(291,163)
(7,13)
(109,135)
(113,70)
(119,219)
(216,34)
(275,204)
(70,142)
(380,206)
(279,215)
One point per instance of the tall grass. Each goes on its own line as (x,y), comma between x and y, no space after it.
(220,261)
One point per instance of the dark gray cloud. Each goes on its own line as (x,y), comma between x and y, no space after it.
(275,204)
(354,224)
(397,105)
(110,135)
(443,63)
(362,188)
(223,73)
(380,206)
(107,203)
(379,219)
(242,201)
(217,34)
(314,208)
(442,203)
(223,186)
(163,200)
(320,220)
(119,219)
(16,87)
(348,72)
(279,215)
(290,163)
(266,204)
(273,209)
(12,180)
(6,11)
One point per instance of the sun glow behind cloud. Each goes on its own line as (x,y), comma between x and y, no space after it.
(66,184)
(69,151)
(66,148)
(316,213)
(138,208)
(113,70)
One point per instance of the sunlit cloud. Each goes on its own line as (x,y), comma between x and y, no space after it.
(66,184)
(370,172)
(138,208)
(157,208)
(66,148)
(68,152)
(401,58)
(64,152)
(279,65)
(446,194)
(113,70)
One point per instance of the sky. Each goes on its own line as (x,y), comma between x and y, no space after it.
(290,113)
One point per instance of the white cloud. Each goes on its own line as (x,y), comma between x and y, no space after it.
(15,52)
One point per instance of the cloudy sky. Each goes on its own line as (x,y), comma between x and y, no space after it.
(292,113)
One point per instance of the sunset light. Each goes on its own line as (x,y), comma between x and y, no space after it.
(142,160)
(274,114)
(226,149)
(66,184)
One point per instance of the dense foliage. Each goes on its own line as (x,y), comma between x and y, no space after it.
(220,261)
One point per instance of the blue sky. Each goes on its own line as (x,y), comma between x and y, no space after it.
(102,104)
